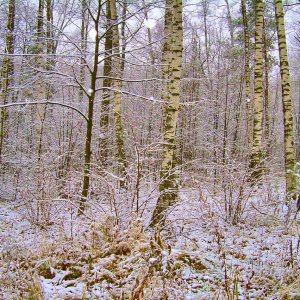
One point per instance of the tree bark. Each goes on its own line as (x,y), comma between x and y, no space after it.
(171,74)
(288,113)
(256,151)
(39,63)
(106,95)
(89,127)
(83,46)
(247,72)
(7,69)
(123,27)
(266,89)
(230,24)
(117,84)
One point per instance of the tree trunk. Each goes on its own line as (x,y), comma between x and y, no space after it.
(266,90)
(107,82)
(123,27)
(171,73)
(288,114)
(38,63)
(83,46)
(117,84)
(230,24)
(89,127)
(247,73)
(256,151)
(7,69)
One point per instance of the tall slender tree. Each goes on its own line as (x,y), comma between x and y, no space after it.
(230,23)
(91,94)
(83,46)
(171,73)
(123,30)
(288,113)
(266,83)
(256,151)
(247,71)
(116,84)
(38,62)
(106,95)
(7,68)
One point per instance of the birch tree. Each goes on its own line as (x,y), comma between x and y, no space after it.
(171,73)
(256,151)
(247,71)
(117,84)
(266,82)
(288,114)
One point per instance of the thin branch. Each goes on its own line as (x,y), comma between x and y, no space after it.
(45,102)
(132,94)
(129,80)
(292,4)
(41,55)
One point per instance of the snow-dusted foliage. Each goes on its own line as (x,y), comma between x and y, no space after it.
(197,255)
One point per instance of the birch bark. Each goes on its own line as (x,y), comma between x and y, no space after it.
(117,85)
(247,72)
(288,114)
(171,74)
(256,151)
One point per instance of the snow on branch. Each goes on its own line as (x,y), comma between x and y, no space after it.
(45,102)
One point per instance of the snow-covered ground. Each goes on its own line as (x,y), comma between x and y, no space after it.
(198,255)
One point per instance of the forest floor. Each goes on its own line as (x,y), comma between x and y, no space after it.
(198,256)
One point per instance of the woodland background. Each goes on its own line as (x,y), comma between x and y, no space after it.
(87,91)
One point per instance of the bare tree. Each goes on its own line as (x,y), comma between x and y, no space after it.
(171,73)
(91,102)
(7,71)
(117,84)
(256,151)
(288,113)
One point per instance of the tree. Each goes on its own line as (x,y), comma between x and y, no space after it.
(91,101)
(266,87)
(83,46)
(247,71)
(106,94)
(7,68)
(171,74)
(230,23)
(38,63)
(288,114)
(117,84)
(256,151)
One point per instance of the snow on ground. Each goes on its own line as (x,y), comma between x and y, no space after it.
(197,256)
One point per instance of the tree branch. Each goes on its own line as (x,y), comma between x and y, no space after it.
(45,102)
(292,4)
